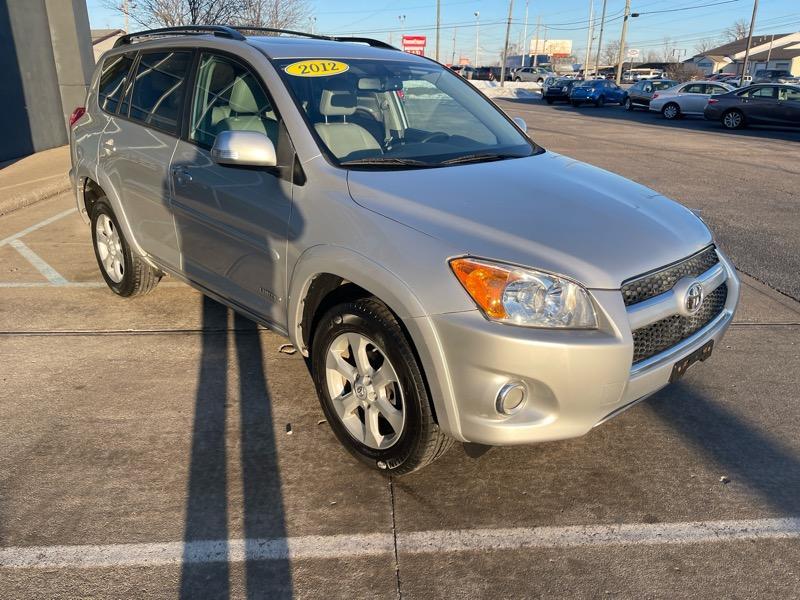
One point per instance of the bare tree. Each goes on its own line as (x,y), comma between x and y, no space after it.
(737,31)
(705,45)
(684,71)
(278,14)
(610,54)
(255,13)
(652,56)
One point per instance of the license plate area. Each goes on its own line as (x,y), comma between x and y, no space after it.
(701,354)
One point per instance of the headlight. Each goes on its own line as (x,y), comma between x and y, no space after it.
(525,297)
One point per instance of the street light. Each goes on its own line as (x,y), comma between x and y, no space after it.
(477,36)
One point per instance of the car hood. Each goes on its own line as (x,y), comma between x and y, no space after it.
(545,211)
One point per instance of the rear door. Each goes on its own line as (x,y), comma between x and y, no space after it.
(232,222)
(137,147)
(693,98)
(761,105)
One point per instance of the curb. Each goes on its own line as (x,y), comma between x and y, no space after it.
(10,201)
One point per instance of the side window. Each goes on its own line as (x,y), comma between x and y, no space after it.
(112,81)
(228,97)
(764,92)
(789,94)
(158,89)
(647,88)
(695,88)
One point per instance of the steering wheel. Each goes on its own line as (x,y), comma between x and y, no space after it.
(435,135)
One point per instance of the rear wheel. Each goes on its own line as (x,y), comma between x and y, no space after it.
(600,101)
(628,104)
(671,111)
(372,390)
(517,79)
(125,272)
(548,100)
(733,119)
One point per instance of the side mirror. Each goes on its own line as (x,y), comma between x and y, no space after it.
(521,124)
(244,149)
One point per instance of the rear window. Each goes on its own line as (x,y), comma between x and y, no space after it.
(112,81)
(158,89)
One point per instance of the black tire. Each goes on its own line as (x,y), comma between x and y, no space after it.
(540,80)
(138,277)
(549,100)
(421,441)
(600,101)
(733,119)
(670,114)
(517,79)
(629,105)
(575,103)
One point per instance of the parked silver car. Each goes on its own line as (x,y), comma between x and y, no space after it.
(537,74)
(446,278)
(689,98)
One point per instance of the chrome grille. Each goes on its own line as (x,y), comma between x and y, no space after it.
(652,284)
(662,335)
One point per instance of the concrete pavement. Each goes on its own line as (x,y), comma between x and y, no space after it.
(24,181)
(149,447)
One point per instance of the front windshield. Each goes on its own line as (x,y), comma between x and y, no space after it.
(399,114)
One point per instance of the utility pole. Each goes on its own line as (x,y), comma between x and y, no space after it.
(453,60)
(125,11)
(522,50)
(477,37)
(749,41)
(769,52)
(588,39)
(438,17)
(505,46)
(600,38)
(536,46)
(622,40)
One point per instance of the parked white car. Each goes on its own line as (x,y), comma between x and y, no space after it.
(689,98)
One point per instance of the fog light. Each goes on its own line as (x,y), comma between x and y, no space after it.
(511,398)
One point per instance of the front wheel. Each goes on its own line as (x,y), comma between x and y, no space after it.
(628,104)
(733,119)
(671,111)
(517,79)
(600,101)
(125,272)
(372,390)
(548,100)
(575,103)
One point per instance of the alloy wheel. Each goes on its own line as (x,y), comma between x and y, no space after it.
(732,120)
(109,248)
(365,390)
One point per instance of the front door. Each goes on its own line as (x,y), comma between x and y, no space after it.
(231,221)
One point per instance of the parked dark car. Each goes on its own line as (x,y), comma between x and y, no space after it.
(773,76)
(756,105)
(640,94)
(490,74)
(597,92)
(558,89)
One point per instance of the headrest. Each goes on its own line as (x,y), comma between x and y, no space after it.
(337,103)
(242,99)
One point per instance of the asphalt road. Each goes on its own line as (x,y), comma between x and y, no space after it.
(164,447)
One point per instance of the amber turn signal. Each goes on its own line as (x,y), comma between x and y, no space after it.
(484,283)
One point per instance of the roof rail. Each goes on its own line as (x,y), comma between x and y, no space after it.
(332,38)
(218,30)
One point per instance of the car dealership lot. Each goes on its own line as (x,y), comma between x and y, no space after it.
(131,427)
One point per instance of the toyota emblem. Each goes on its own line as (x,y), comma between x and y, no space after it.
(694,297)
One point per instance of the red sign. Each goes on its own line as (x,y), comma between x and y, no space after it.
(414,44)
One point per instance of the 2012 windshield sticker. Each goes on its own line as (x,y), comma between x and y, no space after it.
(316,68)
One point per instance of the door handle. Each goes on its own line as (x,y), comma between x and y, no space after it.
(181,174)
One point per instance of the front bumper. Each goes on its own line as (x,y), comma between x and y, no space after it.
(575,379)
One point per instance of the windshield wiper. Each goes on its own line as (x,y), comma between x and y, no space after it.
(387,161)
(468,158)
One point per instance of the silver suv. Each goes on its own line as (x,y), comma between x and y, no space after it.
(446,278)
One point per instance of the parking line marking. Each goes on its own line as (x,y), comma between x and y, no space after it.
(49,273)
(422,542)
(38,225)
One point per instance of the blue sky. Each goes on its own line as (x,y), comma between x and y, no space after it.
(565,19)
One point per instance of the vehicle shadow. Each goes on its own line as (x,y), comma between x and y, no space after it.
(747,455)
(207,508)
(692,123)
